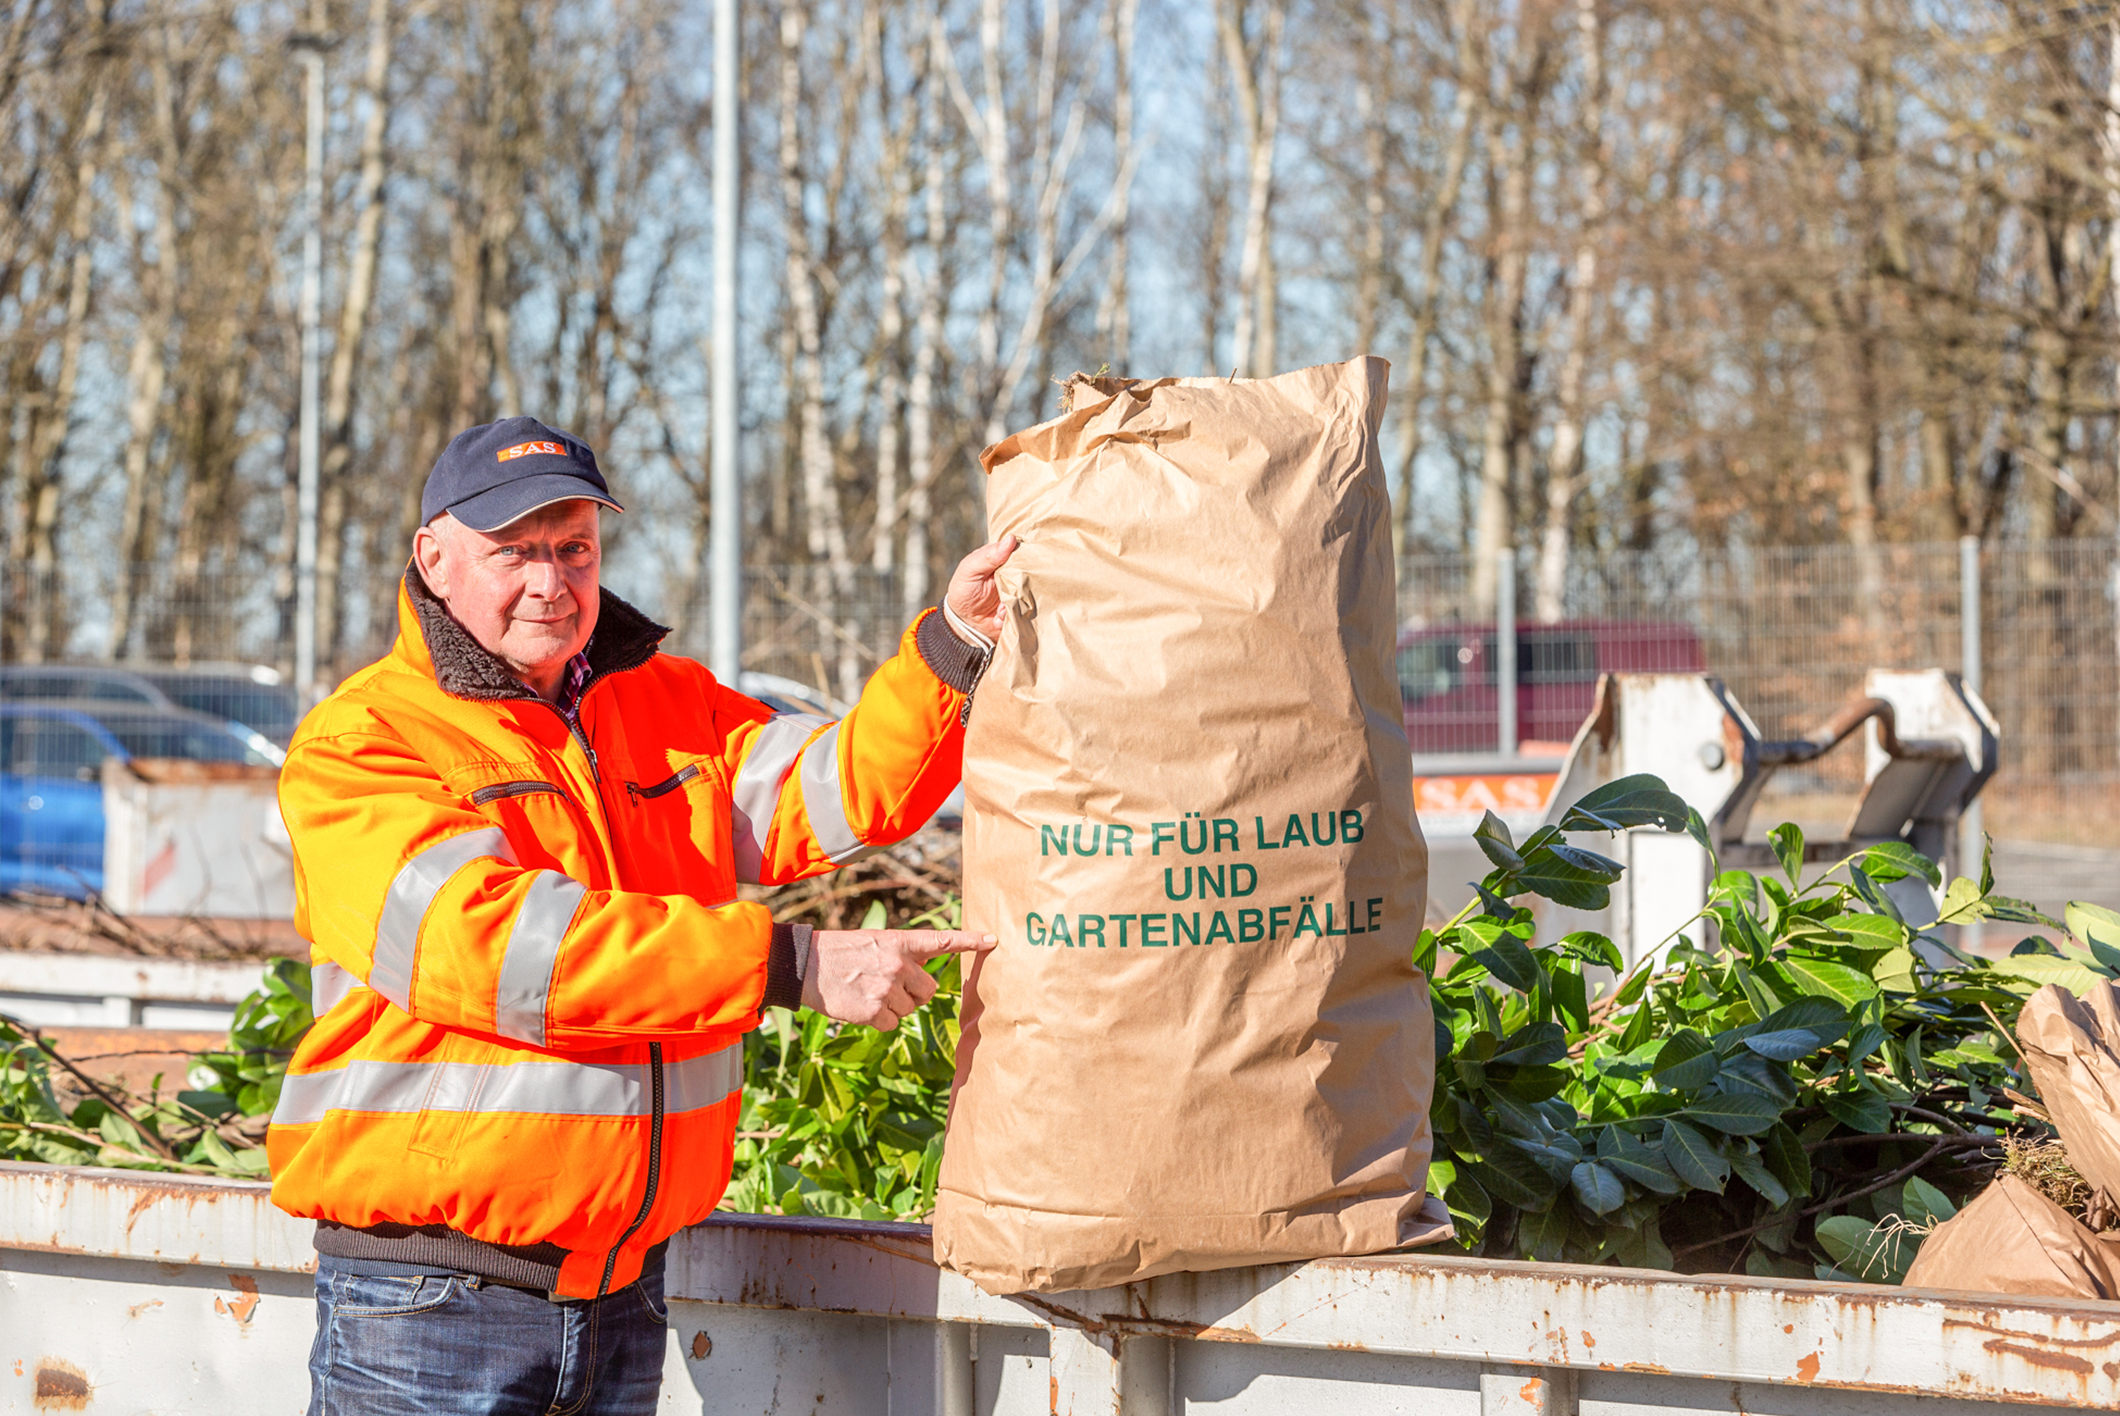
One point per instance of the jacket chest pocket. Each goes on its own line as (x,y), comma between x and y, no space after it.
(677,832)
(510,791)
(637,793)
(546,824)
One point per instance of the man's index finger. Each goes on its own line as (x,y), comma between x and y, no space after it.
(929,943)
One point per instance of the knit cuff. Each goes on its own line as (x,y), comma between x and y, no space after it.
(787,965)
(955,662)
(962,628)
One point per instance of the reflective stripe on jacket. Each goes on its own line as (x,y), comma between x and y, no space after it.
(532,973)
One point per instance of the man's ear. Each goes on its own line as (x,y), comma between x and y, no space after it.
(428,555)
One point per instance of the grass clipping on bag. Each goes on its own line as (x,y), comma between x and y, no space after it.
(2044,1165)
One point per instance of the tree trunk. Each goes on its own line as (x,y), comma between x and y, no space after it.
(1000,198)
(1255,71)
(467,322)
(1115,313)
(210,514)
(1048,176)
(147,372)
(1214,221)
(2112,224)
(895,179)
(1050,164)
(1564,474)
(897,119)
(1511,151)
(499,131)
(2051,373)
(823,519)
(1861,446)
(1939,474)
(1369,268)
(47,449)
(922,464)
(1884,256)
(989,129)
(340,384)
(1435,225)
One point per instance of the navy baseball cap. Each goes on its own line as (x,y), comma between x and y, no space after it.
(492,474)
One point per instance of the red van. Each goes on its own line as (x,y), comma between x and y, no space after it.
(1446,676)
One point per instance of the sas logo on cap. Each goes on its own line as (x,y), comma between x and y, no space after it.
(509,454)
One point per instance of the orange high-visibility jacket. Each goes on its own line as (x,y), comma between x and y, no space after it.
(532,974)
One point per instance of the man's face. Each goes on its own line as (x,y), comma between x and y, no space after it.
(527,592)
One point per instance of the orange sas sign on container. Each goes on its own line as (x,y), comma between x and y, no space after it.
(1453,805)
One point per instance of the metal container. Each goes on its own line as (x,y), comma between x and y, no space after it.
(129,1292)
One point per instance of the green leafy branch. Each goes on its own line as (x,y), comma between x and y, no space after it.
(215,1128)
(1717,1105)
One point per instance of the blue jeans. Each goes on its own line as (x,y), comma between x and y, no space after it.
(406,1343)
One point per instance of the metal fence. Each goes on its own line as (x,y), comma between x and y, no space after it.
(1790,629)
(803,623)
(152,613)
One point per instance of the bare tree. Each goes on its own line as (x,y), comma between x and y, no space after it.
(827,538)
(1565,461)
(1115,312)
(1425,292)
(1733,272)
(898,114)
(988,123)
(1254,58)
(336,454)
(1211,222)
(1511,147)
(147,369)
(924,461)
(52,421)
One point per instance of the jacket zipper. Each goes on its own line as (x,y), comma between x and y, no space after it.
(640,793)
(574,727)
(655,1056)
(501,790)
(647,1201)
(596,776)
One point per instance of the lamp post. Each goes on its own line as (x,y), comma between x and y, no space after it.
(1972,836)
(309,46)
(725,541)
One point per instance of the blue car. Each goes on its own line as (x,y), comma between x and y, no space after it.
(51,781)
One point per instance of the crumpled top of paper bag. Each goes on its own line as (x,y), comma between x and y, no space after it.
(2012,1238)
(2071,1047)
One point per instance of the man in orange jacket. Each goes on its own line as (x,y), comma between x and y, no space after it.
(518,840)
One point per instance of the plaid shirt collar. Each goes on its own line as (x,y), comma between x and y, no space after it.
(570,690)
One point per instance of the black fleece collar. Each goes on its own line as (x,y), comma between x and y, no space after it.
(624,639)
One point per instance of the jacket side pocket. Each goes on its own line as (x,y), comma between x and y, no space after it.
(452,1095)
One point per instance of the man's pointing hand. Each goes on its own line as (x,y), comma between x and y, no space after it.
(874,976)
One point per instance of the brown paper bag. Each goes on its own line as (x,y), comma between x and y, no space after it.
(1189,818)
(2012,1239)
(2069,1048)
